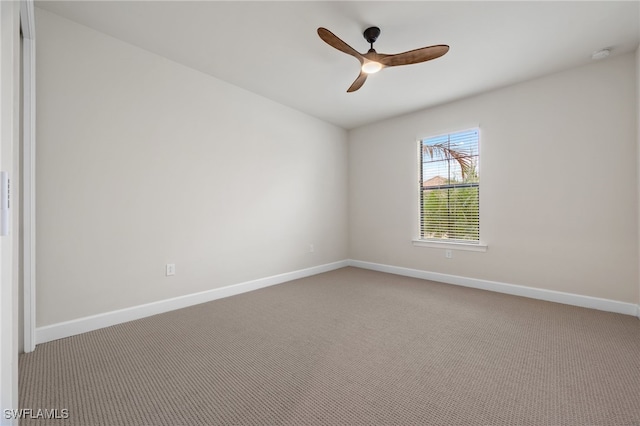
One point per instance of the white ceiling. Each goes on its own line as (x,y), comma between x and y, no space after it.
(272,48)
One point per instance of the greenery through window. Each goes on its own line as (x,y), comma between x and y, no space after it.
(450,187)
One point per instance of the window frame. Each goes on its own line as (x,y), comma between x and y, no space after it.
(418,241)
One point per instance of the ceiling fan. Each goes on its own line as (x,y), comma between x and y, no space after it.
(372,62)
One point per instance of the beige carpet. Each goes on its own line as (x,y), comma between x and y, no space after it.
(347,347)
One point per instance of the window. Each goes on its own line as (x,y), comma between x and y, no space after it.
(450,188)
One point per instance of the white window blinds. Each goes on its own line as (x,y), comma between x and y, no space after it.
(450,187)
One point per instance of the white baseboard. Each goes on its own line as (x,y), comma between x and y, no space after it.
(94,322)
(516,290)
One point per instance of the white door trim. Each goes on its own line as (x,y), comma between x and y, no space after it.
(9,117)
(27,21)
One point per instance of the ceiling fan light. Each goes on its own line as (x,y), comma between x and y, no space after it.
(371,67)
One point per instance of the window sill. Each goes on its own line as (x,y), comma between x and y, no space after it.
(450,245)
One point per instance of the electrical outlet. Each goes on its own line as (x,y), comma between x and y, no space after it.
(448,254)
(171,269)
(311,248)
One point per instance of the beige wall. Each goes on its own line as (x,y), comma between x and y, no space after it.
(143,162)
(558,184)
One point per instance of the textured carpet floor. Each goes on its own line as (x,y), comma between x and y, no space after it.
(347,347)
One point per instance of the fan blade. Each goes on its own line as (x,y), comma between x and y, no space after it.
(414,56)
(358,82)
(332,40)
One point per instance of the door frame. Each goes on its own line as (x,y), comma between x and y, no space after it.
(9,127)
(27,22)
